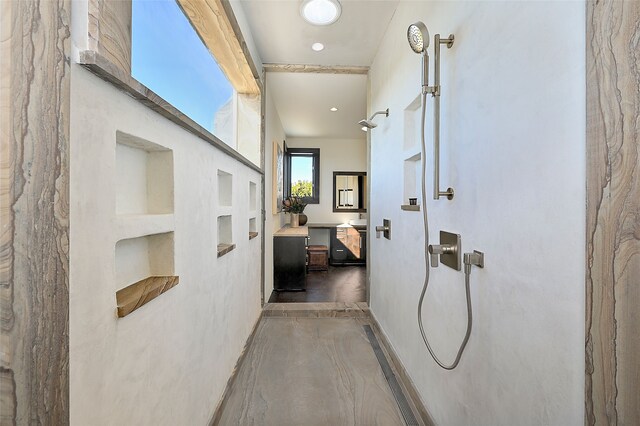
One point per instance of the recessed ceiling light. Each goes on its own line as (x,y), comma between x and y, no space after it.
(320,12)
(364,129)
(334,109)
(317,46)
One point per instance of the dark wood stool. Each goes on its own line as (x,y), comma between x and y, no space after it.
(318,258)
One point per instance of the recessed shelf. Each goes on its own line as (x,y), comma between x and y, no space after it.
(137,260)
(140,225)
(142,292)
(253,197)
(225,235)
(144,176)
(142,257)
(412,118)
(410,207)
(225,248)
(225,189)
(412,178)
(253,228)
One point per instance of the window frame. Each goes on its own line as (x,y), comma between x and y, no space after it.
(314,153)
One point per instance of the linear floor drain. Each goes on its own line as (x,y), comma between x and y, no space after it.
(401,400)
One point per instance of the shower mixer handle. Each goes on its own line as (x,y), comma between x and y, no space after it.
(449,251)
(436,250)
(385,229)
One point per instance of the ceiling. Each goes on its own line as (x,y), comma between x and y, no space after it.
(303,99)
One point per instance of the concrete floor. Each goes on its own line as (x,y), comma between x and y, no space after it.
(310,371)
(345,284)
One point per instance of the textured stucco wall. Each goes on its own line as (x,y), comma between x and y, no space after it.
(169,361)
(513,147)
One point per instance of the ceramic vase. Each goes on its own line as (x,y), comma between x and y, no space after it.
(295,220)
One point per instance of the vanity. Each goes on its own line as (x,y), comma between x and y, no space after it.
(347,246)
(290,258)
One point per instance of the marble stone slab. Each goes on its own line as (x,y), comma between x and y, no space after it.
(317,310)
(310,371)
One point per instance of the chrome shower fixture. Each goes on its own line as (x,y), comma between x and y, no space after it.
(369,124)
(418,37)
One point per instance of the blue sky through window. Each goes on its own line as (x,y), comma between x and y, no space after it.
(169,58)
(301,169)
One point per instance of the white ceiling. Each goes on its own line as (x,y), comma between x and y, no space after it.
(303,100)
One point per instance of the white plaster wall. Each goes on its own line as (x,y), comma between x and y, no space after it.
(513,147)
(274,134)
(168,362)
(336,155)
(249,124)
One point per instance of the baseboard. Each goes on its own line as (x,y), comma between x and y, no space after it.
(403,377)
(217,414)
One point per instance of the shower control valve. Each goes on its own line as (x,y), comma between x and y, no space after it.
(449,251)
(385,229)
(436,250)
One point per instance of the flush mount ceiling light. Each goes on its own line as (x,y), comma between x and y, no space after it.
(317,46)
(333,109)
(320,12)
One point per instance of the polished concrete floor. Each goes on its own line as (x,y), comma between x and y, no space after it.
(339,284)
(310,371)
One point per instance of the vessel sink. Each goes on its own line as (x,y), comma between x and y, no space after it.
(359,224)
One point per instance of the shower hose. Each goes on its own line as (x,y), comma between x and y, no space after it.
(467,270)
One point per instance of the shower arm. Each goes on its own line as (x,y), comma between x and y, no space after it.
(435,93)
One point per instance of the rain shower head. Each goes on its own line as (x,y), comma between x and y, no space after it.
(369,124)
(418,37)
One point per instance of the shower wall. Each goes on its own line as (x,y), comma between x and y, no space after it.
(513,147)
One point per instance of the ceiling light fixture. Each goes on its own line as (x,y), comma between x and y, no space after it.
(317,46)
(334,109)
(320,12)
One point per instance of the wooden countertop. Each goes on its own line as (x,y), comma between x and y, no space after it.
(288,231)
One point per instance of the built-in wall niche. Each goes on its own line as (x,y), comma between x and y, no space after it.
(225,235)
(412,124)
(225,189)
(253,228)
(144,268)
(253,196)
(412,182)
(144,176)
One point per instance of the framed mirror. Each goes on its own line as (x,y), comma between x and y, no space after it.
(350,192)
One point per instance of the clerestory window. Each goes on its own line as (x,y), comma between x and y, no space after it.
(168,56)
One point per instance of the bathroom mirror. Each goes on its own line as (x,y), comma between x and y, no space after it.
(349,192)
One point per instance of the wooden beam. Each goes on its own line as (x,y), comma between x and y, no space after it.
(109,29)
(34,205)
(216,25)
(316,69)
(613,213)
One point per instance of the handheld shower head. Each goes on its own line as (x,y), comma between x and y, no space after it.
(369,124)
(418,37)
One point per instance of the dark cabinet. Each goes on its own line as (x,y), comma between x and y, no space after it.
(348,246)
(289,263)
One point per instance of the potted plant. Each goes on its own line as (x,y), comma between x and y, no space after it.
(295,207)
